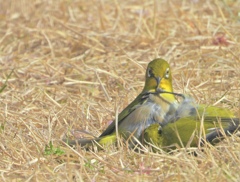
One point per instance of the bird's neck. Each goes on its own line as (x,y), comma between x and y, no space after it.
(168,97)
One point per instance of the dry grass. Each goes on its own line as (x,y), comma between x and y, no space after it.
(77,62)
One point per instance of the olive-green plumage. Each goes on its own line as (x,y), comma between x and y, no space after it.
(156,116)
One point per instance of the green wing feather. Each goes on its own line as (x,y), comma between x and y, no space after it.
(130,108)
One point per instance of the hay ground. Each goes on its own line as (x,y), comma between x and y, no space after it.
(76,63)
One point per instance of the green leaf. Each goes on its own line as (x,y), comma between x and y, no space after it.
(51,150)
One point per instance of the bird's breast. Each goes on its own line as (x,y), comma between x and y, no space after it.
(153,110)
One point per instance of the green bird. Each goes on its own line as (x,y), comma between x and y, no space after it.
(156,117)
(192,126)
(155,104)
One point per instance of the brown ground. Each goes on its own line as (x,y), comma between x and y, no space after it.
(76,63)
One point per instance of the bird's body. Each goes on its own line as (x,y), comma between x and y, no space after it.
(157,117)
(151,106)
(192,126)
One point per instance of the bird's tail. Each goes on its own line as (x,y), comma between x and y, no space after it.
(86,141)
(81,142)
(82,138)
(218,134)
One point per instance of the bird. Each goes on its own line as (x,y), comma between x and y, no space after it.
(194,125)
(155,104)
(158,118)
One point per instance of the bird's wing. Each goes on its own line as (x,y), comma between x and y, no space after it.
(140,99)
(182,130)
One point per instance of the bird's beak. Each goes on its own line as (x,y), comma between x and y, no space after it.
(158,80)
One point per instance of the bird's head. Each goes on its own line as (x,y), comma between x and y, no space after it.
(159,78)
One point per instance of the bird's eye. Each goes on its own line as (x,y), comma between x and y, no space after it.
(167,73)
(150,73)
(159,130)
